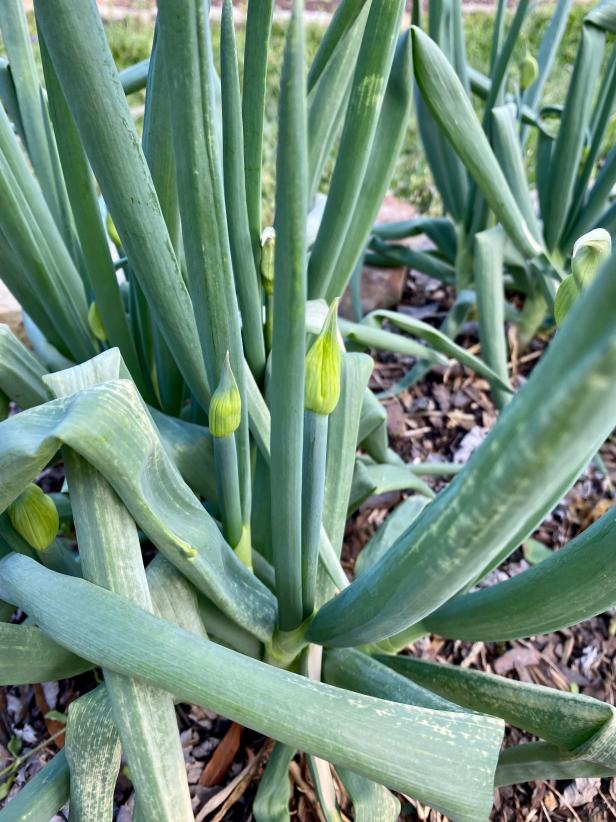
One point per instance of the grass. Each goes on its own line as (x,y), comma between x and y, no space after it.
(130,41)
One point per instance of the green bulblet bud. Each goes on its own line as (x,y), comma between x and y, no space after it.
(226,404)
(323,368)
(95,323)
(588,254)
(268,251)
(35,517)
(113,232)
(529,71)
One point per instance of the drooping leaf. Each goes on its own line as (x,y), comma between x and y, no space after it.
(149,484)
(440,342)
(28,656)
(539,761)
(387,742)
(567,587)
(20,371)
(110,554)
(579,724)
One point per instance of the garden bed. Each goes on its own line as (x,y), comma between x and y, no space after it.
(442,418)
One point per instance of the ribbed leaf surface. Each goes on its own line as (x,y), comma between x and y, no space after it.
(394,744)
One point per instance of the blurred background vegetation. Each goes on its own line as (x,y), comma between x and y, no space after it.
(130,40)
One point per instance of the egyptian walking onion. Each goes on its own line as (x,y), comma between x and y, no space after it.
(213,405)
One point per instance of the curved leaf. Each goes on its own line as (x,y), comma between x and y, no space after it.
(440,342)
(28,656)
(127,451)
(569,586)
(533,454)
(110,554)
(394,744)
(20,372)
(540,760)
(579,724)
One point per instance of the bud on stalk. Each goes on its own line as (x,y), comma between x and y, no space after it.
(112,231)
(95,323)
(224,420)
(529,71)
(322,392)
(35,517)
(268,253)
(589,252)
(323,368)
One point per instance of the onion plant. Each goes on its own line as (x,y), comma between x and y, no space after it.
(500,232)
(208,401)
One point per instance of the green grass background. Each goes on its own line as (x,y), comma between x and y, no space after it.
(130,41)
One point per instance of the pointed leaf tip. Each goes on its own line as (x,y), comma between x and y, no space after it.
(268,252)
